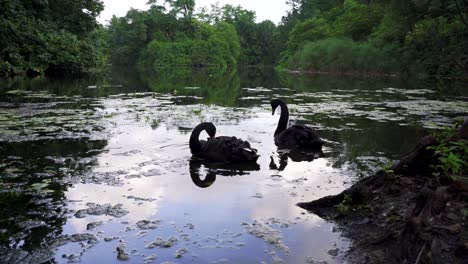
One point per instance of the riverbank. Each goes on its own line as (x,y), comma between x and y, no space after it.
(370,75)
(413,212)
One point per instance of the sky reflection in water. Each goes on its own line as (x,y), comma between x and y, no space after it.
(217,211)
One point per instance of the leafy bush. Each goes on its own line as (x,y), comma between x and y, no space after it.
(219,48)
(453,158)
(344,207)
(440,44)
(419,37)
(35,36)
(342,55)
(358,20)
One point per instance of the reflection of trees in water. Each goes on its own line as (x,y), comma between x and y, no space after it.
(217,168)
(100,85)
(252,77)
(302,82)
(213,85)
(379,140)
(34,178)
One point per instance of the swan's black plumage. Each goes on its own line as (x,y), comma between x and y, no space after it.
(297,136)
(227,149)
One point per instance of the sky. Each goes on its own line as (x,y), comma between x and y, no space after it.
(266,9)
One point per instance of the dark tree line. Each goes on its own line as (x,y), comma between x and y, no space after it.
(172,34)
(387,36)
(356,36)
(54,35)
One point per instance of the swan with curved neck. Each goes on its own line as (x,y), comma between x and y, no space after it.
(195,144)
(295,137)
(226,149)
(284,117)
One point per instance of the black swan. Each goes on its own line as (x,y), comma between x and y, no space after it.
(225,149)
(295,137)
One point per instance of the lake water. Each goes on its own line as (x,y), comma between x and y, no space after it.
(93,164)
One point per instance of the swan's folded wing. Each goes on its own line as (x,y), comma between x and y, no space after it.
(229,149)
(299,137)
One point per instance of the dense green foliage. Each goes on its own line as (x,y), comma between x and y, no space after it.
(58,36)
(159,38)
(380,36)
(452,155)
(176,36)
(50,35)
(341,36)
(259,41)
(213,46)
(342,55)
(452,158)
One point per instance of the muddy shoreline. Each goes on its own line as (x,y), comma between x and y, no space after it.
(412,212)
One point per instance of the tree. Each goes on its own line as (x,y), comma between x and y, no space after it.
(127,37)
(48,35)
(75,16)
(184,7)
(258,41)
(358,20)
(425,35)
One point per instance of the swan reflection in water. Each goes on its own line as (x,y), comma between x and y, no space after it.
(218,168)
(294,155)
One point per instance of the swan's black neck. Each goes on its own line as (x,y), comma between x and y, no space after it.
(195,145)
(283,121)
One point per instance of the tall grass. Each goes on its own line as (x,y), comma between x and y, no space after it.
(343,55)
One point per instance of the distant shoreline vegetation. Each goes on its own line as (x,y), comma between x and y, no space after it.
(213,46)
(339,37)
(382,37)
(173,35)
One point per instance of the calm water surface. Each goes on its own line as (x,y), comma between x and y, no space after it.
(90,165)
